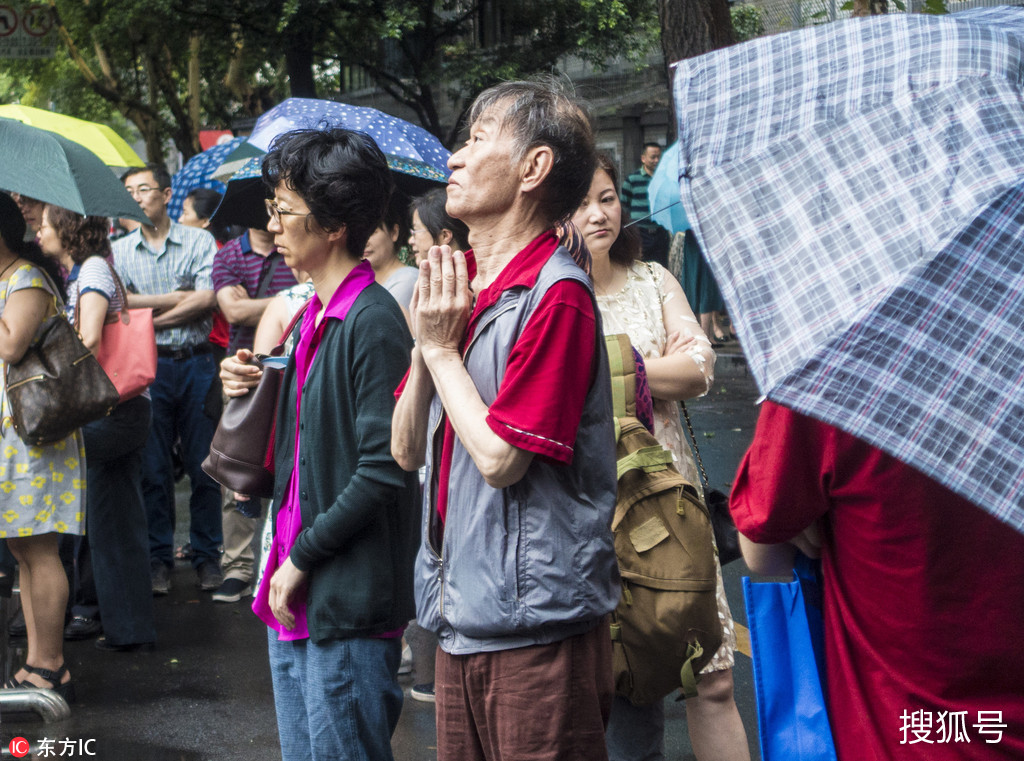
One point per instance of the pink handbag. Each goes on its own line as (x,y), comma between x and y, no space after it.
(127,350)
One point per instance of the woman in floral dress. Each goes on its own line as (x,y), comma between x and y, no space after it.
(41,487)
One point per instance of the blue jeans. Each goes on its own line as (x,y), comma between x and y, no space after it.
(116,522)
(336,701)
(180,409)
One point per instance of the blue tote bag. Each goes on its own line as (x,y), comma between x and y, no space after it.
(787,649)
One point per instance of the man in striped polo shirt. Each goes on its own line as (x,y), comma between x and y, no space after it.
(167,267)
(247,272)
(654,239)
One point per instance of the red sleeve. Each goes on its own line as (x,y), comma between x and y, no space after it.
(549,371)
(781,485)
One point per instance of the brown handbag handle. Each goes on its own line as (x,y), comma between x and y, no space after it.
(278,350)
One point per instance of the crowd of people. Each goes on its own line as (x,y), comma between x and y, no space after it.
(444,448)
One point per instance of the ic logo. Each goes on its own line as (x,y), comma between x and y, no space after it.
(19,747)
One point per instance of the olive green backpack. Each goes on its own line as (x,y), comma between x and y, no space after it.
(666,626)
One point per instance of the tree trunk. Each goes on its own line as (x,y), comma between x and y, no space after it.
(690,28)
(194,109)
(299,63)
(869,7)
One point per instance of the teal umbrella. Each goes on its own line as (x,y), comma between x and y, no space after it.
(50,168)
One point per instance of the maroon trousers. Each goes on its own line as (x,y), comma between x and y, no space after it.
(538,703)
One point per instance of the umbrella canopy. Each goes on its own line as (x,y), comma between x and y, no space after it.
(395,137)
(98,138)
(857,190)
(45,166)
(663,193)
(198,173)
(417,159)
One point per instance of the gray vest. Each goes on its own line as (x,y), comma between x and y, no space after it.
(533,563)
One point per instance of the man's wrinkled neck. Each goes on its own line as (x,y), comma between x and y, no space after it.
(496,242)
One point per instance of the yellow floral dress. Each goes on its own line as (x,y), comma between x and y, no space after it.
(42,488)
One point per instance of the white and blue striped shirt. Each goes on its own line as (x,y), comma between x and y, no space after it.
(185,263)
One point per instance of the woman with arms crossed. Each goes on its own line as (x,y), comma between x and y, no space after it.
(644,301)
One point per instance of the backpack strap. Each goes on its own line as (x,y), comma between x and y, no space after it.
(623,372)
(647,459)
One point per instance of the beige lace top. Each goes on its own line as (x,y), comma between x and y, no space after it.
(647,311)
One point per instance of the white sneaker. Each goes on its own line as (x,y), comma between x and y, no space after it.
(406,665)
(423,693)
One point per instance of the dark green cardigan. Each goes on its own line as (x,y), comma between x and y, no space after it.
(360,514)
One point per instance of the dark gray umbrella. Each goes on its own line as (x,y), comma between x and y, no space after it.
(45,166)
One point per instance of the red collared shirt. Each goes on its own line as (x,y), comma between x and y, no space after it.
(921,591)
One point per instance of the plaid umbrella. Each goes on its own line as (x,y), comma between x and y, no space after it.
(857,189)
(198,173)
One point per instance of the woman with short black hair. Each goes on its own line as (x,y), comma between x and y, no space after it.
(337,589)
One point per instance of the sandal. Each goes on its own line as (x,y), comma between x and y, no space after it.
(184,552)
(65,690)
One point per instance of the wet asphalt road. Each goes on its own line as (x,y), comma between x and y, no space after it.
(204,694)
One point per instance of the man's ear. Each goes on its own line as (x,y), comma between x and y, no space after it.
(536,166)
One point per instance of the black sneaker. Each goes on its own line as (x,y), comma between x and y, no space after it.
(232,590)
(161,577)
(422,692)
(209,576)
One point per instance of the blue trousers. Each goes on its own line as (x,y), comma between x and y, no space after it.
(636,733)
(336,701)
(116,522)
(182,409)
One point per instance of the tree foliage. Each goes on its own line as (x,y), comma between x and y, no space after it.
(168,67)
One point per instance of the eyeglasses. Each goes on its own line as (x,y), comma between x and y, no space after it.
(275,212)
(133,192)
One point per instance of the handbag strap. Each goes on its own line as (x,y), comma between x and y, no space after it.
(696,451)
(58,302)
(118,284)
(279,349)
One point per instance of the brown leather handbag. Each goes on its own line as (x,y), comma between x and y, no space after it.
(58,385)
(241,453)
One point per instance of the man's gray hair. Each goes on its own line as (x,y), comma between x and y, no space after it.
(544,111)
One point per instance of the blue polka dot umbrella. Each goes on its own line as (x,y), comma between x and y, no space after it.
(423,153)
(198,173)
(417,158)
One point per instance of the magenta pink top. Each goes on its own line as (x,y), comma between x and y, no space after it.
(289,516)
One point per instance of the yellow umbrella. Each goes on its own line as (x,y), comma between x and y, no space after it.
(98,138)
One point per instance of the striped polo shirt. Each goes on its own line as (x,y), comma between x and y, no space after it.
(634,198)
(237,264)
(184,263)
